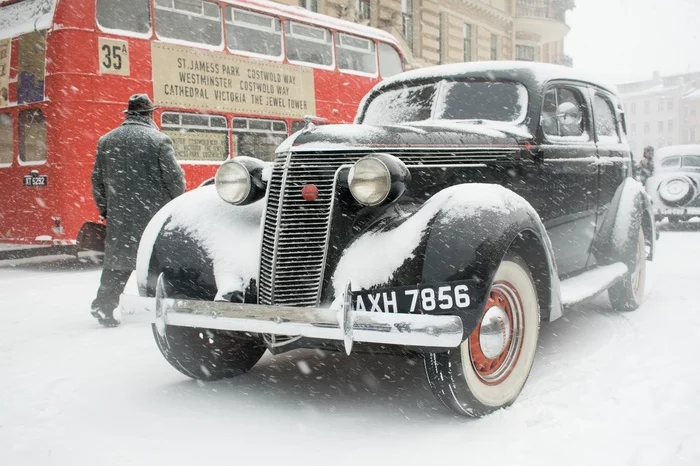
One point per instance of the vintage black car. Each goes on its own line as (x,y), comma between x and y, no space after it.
(674,188)
(467,204)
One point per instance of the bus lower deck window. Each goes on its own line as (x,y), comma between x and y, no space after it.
(6,139)
(258,138)
(194,21)
(124,15)
(197,137)
(32,136)
(253,33)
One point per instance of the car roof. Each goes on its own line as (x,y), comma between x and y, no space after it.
(672,151)
(529,73)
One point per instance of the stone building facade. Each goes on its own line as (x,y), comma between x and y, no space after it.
(449,31)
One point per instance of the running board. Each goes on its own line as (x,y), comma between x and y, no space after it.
(590,283)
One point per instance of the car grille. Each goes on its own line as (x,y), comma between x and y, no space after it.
(295,233)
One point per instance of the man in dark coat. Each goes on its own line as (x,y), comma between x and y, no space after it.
(135,174)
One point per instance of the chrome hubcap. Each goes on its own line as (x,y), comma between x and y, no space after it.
(495,332)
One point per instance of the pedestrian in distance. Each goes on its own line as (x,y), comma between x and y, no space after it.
(645,167)
(135,174)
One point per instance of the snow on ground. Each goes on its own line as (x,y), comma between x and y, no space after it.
(607,389)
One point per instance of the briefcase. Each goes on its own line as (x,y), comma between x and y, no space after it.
(92,236)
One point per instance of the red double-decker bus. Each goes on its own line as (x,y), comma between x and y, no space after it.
(230,77)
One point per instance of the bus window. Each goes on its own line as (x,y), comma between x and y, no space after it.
(124,15)
(194,21)
(197,137)
(32,136)
(389,60)
(258,138)
(308,44)
(356,54)
(5,140)
(253,33)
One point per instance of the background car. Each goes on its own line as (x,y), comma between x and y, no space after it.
(674,187)
(468,203)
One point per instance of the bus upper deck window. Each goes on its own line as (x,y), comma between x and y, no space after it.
(5,140)
(253,33)
(308,44)
(193,21)
(356,54)
(32,136)
(124,15)
(389,60)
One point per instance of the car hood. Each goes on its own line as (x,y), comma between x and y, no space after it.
(422,134)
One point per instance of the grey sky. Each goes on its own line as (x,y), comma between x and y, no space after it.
(626,40)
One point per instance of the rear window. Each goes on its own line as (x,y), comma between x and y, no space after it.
(124,15)
(192,21)
(32,136)
(6,140)
(308,44)
(671,162)
(253,33)
(692,161)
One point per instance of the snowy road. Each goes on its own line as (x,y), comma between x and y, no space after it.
(606,389)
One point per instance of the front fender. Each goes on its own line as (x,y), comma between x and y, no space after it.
(616,239)
(207,247)
(463,232)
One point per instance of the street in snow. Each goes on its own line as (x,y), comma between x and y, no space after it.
(606,388)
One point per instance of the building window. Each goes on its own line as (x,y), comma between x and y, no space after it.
(356,54)
(633,108)
(646,106)
(661,105)
(308,44)
(407,14)
(258,138)
(197,137)
(468,46)
(669,104)
(124,15)
(525,52)
(646,128)
(670,126)
(661,127)
(193,21)
(253,33)
(363,10)
(443,37)
(6,139)
(311,5)
(389,60)
(32,136)
(494,47)
(691,135)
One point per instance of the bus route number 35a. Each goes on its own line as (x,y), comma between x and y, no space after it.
(440,298)
(114,56)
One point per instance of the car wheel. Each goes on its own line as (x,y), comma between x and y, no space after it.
(489,369)
(627,294)
(206,354)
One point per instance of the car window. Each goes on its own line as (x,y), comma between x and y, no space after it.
(671,162)
(401,105)
(605,121)
(691,161)
(563,115)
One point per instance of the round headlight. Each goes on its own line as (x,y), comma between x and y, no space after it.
(232,182)
(370,181)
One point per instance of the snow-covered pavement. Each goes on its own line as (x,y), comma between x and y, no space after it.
(606,389)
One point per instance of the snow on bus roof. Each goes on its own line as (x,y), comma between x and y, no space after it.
(302,14)
(542,72)
(684,149)
(25,16)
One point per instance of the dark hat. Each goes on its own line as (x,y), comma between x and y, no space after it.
(140,103)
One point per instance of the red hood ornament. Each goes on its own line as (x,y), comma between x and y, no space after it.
(309,192)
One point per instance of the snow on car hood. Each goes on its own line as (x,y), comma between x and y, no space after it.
(434,133)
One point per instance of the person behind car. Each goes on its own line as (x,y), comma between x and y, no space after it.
(135,174)
(645,167)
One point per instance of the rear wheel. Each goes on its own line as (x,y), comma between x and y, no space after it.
(489,369)
(627,294)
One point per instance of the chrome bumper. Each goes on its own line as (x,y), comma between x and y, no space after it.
(344,324)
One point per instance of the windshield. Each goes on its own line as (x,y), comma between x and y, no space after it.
(450,100)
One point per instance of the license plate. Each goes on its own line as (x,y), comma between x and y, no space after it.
(36,180)
(442,298)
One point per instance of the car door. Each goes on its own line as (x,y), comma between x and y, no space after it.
(567,174)
(614,163)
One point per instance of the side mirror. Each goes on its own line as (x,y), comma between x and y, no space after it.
(568,114)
